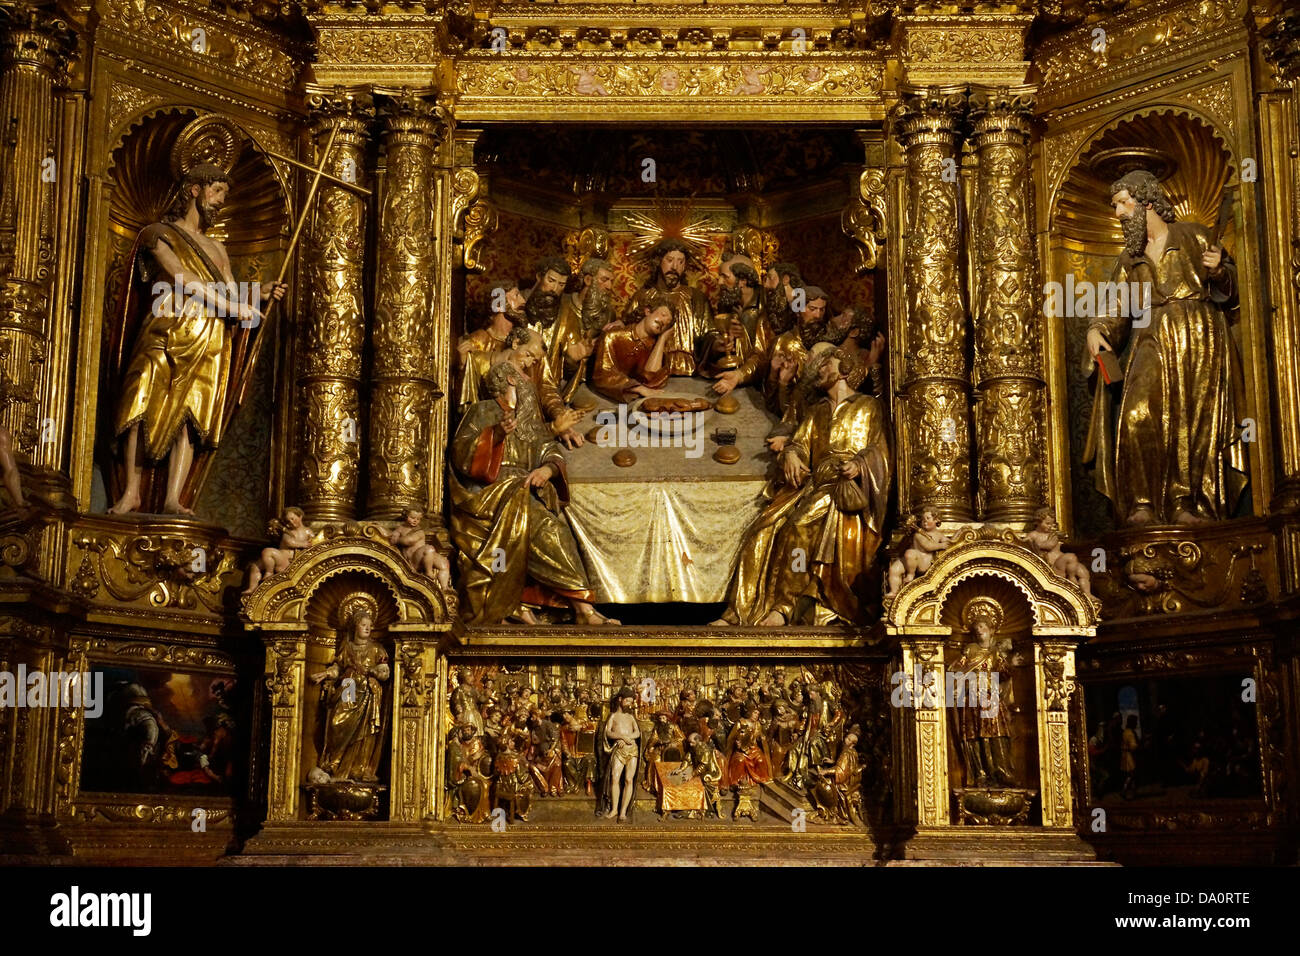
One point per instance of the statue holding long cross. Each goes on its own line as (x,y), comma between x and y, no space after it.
(191,364)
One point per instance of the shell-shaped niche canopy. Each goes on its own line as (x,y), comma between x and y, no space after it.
(1184,152)
(148,164)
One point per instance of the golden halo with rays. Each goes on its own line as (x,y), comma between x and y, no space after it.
(212,139)
(982,609)
(355,605)
(671,219)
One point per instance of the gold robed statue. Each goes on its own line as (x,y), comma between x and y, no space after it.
(172,400)
(1175,456)
(983,724)
(817,539)
(508,486)
(353,698)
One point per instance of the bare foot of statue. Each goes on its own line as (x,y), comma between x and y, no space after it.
(610,815)
(1185,517)
(129,502)
(622,818)
(720,622)
(176,508)
(775,619)
(1140,516)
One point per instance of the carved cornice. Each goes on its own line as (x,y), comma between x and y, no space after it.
(206,42)
(1099,56)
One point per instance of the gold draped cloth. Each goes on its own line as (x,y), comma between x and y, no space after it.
(354,730)
(749,350)
(513,543)
(1176,445)
(834,522)
(180,363)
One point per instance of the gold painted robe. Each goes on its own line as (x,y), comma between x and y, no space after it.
(693,314)
(354,728)
(620,365)
(478,362)
(839,545)
(180,362)
(513,543)
(750,350)
(786,400)
(1175,445)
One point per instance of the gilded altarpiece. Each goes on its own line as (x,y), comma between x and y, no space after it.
(935,168)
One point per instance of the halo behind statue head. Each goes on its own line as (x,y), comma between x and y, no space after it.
(355,606)
(982,609)
(207,141)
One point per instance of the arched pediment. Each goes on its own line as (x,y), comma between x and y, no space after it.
(1057,606)
(281,601)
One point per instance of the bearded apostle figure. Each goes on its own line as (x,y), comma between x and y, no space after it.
(692,314)
(508,485)
(808,555)
(173,394)
(1175,454)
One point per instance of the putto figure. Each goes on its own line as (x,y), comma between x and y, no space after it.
(918,549)
(1175,455)
(174,390)
(294,536)
(413,541)
(1045,539)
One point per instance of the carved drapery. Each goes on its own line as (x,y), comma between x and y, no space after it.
(935,380)
(34,48)
(1008,372)
(333,331)
(404,378)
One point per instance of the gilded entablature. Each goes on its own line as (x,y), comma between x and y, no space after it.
(217,42)
(1092,56)
(493,84)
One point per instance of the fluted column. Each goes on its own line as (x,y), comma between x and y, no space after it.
(1008,373)
(34,46)
(333,330)
(404,381)
(934,438)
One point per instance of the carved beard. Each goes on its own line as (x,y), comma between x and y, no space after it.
(729,299)
(672,279)
(810,335)
(778,309)
(207,213)
(1135,232)
(833,334)
(517,318)
(542,308)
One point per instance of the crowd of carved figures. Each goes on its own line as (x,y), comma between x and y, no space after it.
(815,366)
(687,749)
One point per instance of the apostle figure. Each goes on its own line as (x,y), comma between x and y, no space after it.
(1175,456)
(690,307)
(830,509)
(632,362)
(508,484)
(174,391)
(735,350)
(781,389)
(353,700)
(480,350)
(779,283)
(584,314)
(560,328)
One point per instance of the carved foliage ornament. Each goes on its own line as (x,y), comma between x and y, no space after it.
(594,76)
